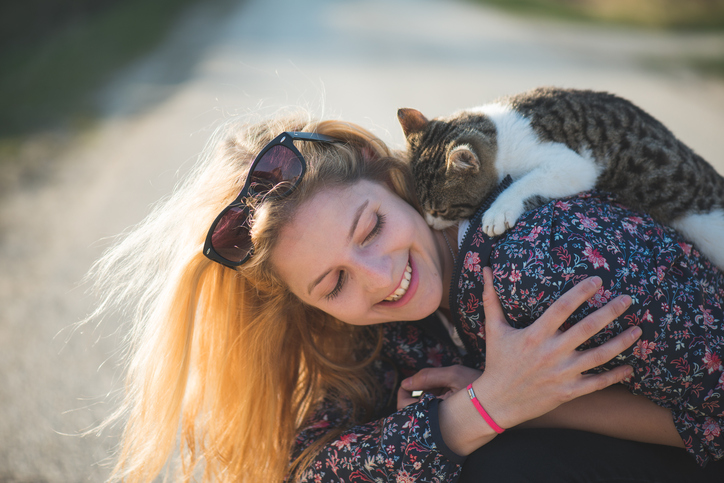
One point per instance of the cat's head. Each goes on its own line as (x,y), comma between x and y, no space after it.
(452,161)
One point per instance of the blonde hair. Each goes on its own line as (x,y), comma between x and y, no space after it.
(224,366)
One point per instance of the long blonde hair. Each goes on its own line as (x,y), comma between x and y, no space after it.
(224,366)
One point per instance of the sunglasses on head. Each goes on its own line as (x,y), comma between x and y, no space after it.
(275,172)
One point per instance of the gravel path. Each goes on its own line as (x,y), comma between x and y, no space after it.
(356,60)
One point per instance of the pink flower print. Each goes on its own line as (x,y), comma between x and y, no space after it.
(686,247)
(643,349)
(601,298)
(595,257)
(514,274)
(711,429)
(533,234)
(434,356)
(472,262)
(629,227)
(472,304)
(706,315)
(712,362)
(563,205)
(660,272)
(587,222)
(345,441)
(404,477)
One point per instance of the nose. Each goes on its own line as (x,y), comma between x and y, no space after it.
(375,272)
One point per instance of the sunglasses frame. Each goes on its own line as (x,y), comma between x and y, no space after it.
(285,139)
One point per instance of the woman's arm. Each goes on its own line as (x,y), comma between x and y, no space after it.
(614,411)
(529,372)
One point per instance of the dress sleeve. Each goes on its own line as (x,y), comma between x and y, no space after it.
(677,298)
(405,446)
(398,446)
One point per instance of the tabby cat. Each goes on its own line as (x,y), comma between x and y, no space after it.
(558,142)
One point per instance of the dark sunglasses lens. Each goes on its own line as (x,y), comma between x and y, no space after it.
(279,164)
(231,237)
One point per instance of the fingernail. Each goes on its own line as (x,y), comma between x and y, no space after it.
(636,332)
(596,281)
(405,383)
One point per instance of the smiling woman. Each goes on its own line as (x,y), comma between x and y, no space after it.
(282,361)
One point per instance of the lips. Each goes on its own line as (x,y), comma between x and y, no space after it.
(404,285)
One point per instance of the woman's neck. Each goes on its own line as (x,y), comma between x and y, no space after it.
(448,248)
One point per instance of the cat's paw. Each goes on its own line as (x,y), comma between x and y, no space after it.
(500,217)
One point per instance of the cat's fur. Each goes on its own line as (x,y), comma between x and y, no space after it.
(558,142)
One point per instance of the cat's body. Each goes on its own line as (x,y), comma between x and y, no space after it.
(556,143)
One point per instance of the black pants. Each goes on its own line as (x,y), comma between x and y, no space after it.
(562,455)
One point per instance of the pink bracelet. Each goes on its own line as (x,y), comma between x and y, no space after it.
(482,411)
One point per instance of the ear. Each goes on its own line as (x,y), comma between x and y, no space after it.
(462,158)
(412,121)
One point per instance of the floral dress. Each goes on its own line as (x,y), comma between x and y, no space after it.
(677,300)
(399,446)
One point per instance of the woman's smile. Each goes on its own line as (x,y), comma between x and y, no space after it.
(404,285)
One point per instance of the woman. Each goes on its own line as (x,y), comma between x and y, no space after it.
(253,365)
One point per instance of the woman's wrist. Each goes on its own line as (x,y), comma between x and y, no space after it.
(462,428)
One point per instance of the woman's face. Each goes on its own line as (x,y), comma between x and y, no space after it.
(363,255)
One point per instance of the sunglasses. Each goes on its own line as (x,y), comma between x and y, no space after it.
(275,172)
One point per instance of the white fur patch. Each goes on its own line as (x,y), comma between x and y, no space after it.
(546,169)
(706,231)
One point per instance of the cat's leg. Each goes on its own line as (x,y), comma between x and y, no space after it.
(552,170)
(706,231)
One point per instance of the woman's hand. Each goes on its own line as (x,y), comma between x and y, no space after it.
(440,381)
(531,371)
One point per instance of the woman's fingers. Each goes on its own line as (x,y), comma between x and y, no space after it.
(404,398)
(453,377)
(552,319)
(494,317)
(441,381)
(593,323)
(595,382)
(597,356)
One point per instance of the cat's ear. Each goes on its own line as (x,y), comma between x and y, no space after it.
(411,120)
(462,158)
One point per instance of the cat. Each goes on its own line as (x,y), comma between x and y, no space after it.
(557,142)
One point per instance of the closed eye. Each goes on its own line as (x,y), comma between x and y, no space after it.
(338,287)
(375,229)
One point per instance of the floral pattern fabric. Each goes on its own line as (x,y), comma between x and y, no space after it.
(400,446)
(677,300)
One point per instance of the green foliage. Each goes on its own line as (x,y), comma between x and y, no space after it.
(54,55)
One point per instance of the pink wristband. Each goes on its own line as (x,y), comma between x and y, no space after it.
(482,411)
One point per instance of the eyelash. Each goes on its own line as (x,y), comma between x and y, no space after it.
(377,228)
(375,231)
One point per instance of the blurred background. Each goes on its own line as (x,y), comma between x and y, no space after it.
(104,105)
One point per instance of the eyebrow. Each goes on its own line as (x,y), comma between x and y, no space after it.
(353,227)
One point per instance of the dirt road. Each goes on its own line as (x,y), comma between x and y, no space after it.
(356,60)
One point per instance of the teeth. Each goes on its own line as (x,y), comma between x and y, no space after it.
(404,285)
